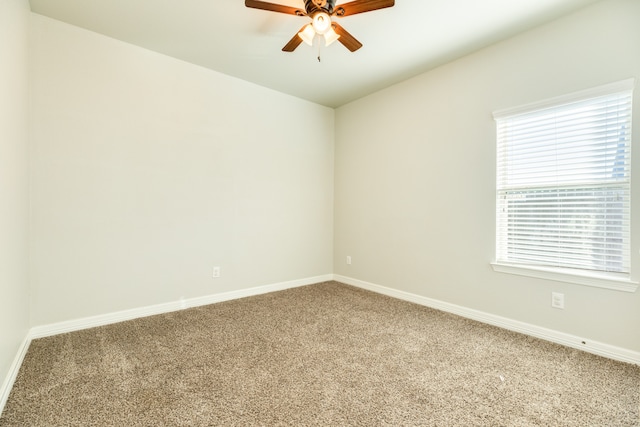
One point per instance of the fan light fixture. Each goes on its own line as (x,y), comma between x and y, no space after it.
(320,25)
(321,12)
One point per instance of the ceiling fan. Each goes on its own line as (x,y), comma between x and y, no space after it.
(320,12)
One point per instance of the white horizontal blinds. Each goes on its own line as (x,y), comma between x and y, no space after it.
(563,185)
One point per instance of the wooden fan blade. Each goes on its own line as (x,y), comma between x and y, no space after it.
(346,39)
(293,43)
(272,7)
(360,6)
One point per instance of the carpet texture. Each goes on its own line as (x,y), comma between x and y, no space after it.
(325,354)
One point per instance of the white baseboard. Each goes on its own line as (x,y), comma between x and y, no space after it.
(7,385)
(121,316)
(594,347)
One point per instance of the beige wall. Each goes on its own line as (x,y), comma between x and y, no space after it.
(14,208)
(148,171)
(415,174)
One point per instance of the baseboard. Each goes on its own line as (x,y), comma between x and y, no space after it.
(594,347)
(7,385)
(121,316)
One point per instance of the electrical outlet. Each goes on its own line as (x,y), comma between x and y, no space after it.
(557,300)
(348,260)
(216,271)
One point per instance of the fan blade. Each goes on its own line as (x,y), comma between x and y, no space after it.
(360,6)
(272,7)
(293,43)
(346,39)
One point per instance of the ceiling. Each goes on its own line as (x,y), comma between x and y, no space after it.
(223,35)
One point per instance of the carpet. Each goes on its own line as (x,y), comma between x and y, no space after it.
(324,354)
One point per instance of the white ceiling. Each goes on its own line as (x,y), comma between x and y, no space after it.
(223,35)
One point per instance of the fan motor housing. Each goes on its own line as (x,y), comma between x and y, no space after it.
(312,6)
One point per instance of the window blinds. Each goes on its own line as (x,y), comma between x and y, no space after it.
(563,184)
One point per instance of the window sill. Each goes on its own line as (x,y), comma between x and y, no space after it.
(607,281)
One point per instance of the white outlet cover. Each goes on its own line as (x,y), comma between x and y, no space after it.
(557,300)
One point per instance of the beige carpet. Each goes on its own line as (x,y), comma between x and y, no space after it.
(326,354)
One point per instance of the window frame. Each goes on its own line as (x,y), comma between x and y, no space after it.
(607,280)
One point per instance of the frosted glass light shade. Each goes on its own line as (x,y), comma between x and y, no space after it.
(307,34)
(321,22)
(330,37)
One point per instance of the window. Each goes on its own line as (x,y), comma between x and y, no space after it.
(563,183)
